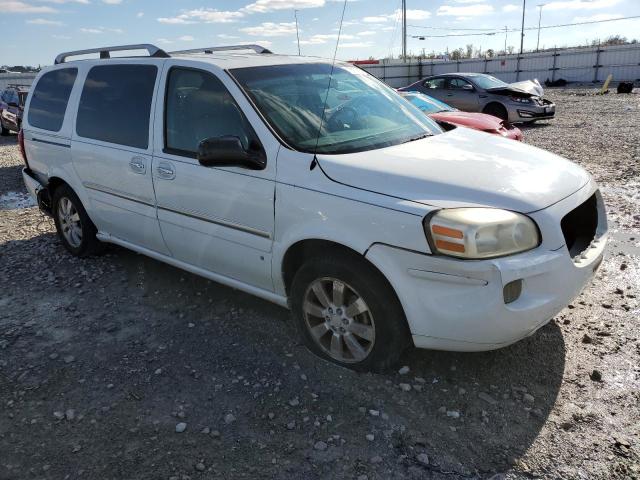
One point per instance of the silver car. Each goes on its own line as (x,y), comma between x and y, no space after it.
(479,92)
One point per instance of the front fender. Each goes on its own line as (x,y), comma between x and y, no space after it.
(304,214)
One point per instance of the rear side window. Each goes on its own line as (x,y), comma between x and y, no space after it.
(50,97)
(115,105)
(434,83)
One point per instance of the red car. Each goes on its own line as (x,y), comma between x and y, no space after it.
(444,114)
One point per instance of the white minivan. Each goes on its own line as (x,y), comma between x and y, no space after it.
(312,184)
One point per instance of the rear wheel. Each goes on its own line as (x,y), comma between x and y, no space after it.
(75,229)
(497,110)
(348,313)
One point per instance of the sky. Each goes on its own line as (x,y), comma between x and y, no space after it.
(35,31)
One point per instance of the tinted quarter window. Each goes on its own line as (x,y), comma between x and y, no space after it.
(198,106)
(50,98)
(115,105)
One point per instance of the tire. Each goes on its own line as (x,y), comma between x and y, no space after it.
(75,229)
(4,131)
(329,326)
(497,110)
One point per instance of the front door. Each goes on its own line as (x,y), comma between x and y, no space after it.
(220,219)
(461,94)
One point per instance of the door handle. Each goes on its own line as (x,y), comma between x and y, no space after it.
(138,165)
(166,171)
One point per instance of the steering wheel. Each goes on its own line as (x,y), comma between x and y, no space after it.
(345,115)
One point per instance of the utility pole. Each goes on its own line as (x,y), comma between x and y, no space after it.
(524,6)
(506,29)
(295,13)
(540,5)
(404,30)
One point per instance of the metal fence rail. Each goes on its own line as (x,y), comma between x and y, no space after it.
(20,78)
(591,64)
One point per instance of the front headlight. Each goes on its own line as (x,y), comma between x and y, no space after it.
(480,232)
(521,99)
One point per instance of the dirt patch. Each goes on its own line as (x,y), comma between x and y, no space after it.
(102,359)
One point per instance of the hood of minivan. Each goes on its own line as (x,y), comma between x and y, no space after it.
(461,167)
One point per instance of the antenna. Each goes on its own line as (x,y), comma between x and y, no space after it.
(326,97)
(295,14)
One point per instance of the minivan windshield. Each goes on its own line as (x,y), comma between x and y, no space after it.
(361,113)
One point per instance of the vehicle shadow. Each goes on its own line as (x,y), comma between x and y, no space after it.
(473,412)
(504,396)
(220,350)
(533,125)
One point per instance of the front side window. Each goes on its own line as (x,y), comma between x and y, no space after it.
(115,105)
(198,106)
(356,112)
(458,84)
(50,97)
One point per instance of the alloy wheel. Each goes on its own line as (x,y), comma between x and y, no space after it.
(69,220)
(339,320)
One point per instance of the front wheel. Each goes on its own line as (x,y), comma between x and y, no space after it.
(348,313)
(497,110)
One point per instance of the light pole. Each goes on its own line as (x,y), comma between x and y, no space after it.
(506,29)
(295,14)
(404,30)
(540,5)
(524,6)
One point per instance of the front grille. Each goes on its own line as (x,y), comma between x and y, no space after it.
(579,226)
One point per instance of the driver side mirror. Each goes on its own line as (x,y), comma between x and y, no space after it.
(227,151)
(468,87)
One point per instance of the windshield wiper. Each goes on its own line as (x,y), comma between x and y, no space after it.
(419,137)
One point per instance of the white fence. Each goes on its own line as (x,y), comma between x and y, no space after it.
(18,78)
(582,65)
(574,65)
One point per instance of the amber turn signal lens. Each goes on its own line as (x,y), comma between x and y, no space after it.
(450,246)
(446,232)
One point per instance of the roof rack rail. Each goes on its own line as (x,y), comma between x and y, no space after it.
(105,52)
(225,48)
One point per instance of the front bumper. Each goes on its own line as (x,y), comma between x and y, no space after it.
(529,113)
(453,304)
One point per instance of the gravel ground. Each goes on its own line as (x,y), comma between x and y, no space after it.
(123,367)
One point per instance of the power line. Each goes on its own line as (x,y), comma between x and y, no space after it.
(496,31)
(452,29)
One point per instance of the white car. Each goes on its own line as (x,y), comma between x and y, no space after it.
(345,204)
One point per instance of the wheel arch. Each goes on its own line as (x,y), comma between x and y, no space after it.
(300,251)
(496,104)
